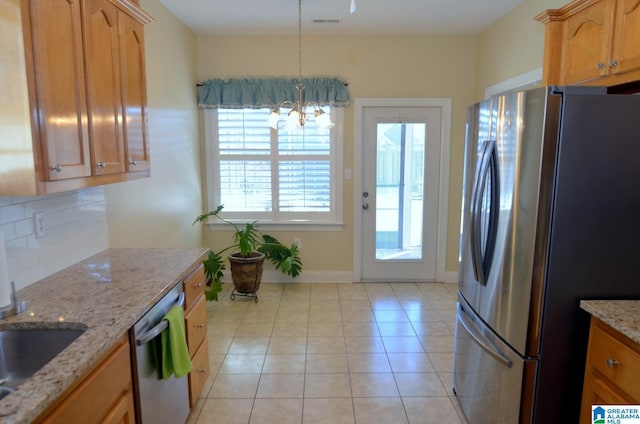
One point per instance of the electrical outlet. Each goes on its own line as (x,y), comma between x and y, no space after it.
(40,224)
(298,242)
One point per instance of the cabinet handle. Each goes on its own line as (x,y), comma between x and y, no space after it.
(57,168)
(133,163)
(601,66)
(613,63)
(198,285)
(101,165)
(201,325)
(612,363)
(202,371)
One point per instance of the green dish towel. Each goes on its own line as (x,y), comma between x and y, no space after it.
(175,352)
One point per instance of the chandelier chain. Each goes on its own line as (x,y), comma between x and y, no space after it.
(299,41)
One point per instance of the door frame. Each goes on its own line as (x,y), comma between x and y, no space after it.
(443,191)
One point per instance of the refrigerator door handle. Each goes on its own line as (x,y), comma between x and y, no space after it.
(488,164)
(481,341)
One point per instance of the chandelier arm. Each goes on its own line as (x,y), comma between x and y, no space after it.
(299,106)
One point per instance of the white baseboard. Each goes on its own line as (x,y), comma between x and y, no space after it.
(271,276)
(451,277)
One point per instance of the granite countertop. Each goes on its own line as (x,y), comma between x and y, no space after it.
(106,293)
(621,315)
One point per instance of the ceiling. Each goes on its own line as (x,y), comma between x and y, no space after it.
(383,17)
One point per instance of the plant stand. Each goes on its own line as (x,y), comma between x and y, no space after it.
(246,274)
(235,293)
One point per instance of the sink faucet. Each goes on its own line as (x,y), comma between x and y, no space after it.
(15,307)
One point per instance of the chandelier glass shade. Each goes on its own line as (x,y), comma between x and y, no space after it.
(297,116)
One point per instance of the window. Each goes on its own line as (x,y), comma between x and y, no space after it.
(276,176)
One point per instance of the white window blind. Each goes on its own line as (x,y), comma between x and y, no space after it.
(276,176)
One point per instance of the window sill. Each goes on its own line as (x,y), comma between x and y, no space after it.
(283,225)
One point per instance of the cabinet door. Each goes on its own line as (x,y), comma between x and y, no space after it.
(599,392)
(105,395)
(626,47)
(59,80)
(134,99)
(586,43)
(122,412)
(103,87)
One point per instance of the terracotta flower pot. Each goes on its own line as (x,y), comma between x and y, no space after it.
(246,272)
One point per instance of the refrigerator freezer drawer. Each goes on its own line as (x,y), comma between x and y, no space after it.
(487,373)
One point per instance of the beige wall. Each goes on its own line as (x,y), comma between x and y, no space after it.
(513,45)
(157,212)
(373,67)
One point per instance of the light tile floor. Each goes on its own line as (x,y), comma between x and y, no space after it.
(331,353)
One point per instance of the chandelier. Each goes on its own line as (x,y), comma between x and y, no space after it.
(297,116)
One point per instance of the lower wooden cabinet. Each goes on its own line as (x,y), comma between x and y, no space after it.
(196,325)
(612,373)
(201,370)
(104,395)
(195,317)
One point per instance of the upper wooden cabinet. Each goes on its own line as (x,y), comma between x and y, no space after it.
(80,64)
(134,95)
(593,42)
(61,112)
(104,95)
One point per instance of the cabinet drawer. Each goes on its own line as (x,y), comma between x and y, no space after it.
(193,287)
(196,325)
(201,370)
(615,359)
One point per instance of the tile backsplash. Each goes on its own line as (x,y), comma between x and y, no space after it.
(74,228)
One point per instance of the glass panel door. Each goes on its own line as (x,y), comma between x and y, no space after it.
(400,161)
(401,169)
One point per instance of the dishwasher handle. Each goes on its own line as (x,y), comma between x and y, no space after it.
(149,335)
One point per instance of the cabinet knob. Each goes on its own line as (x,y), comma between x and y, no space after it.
(101,165)
(613,63)
(601,66)
(202,371)
(201,325)
(612,363)
(133,163)
(198,285)
(57,168)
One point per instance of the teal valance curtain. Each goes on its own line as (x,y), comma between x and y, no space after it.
(270,92)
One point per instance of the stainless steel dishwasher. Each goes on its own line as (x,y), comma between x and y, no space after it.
(158,401)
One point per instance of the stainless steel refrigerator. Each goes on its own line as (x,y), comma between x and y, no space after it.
(551,215)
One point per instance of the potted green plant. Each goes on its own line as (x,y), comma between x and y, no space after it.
(247,253)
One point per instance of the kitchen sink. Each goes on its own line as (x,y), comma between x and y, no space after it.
(24,351)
